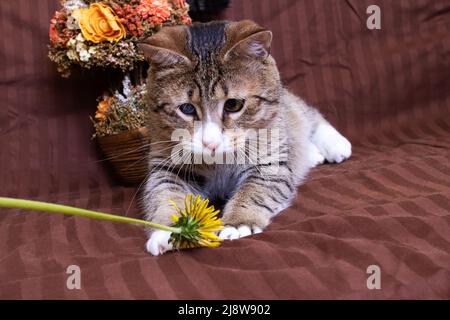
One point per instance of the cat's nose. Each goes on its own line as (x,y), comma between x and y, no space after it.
(212,136)
(210,145)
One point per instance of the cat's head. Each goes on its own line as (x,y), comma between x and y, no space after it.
(220,75)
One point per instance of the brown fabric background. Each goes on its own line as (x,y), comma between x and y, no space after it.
(387,90)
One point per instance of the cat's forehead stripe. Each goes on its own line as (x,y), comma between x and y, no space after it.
(207,39)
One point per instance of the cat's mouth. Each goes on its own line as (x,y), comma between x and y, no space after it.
(190,153)
(208,150)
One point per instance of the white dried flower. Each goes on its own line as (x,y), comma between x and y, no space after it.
(80,38)
(71,43)
(120,97)
(72,23)
(126,86)
(72,54)
(84,55)
(81,47)
(71,5)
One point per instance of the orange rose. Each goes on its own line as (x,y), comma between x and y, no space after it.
(99,23)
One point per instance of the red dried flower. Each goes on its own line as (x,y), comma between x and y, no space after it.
(154,11)
(179,3)
(58,32)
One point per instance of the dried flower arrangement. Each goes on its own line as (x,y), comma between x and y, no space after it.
(104,33)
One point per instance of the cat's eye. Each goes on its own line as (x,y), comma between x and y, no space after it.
(187,109)
(233,105)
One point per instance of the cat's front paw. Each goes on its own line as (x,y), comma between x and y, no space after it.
(331,144)
(231,232)
(159,242)
(314,156)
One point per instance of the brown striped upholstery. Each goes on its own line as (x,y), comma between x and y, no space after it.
(389,205)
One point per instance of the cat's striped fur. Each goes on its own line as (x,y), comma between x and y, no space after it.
(204,65)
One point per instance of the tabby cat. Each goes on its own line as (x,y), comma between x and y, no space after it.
(221,75)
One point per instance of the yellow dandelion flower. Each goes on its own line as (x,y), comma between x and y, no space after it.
(198,223)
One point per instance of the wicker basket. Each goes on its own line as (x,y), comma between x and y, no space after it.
(127,152)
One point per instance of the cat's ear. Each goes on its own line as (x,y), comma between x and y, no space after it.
(246,39)
(166,48)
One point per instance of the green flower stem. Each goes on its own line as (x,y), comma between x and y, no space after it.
(58,208)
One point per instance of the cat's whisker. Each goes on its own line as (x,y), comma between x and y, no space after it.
(121,154)
(183,158)
(145,157)
(153,152)
(147,145)
(160,165)
(157,167)
(141,184)
(188,155)
(136,193)
(167,160)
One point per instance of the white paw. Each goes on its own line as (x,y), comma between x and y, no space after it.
(159,242)
(314,156)
(231,233)
(331,144)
